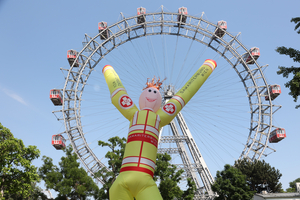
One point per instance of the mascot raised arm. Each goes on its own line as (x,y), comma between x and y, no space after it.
(136,175)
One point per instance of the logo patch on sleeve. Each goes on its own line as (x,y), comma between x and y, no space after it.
(169,108)
(125,101)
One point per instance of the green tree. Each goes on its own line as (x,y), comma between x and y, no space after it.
(169,178)
(16,170)
(35,194)
(230,184)
(294,83)
(70,180)
(115,156)
(190,192)
(292,184)
(165,173)
(260,175)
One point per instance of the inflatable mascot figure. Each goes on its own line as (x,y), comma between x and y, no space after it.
(136,175)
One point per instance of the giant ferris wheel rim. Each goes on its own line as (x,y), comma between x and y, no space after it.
(76,78)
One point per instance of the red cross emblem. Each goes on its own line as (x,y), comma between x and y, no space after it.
(125,102)
(169,108)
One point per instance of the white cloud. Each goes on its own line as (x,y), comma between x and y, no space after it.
(14,96)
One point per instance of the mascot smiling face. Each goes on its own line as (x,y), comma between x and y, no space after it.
(150,99)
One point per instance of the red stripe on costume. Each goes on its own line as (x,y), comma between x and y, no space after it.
(143,125)
(211,61)
(142,141)
(157,123)
(105,67)
(117,92)
(142,137)
(138,169)
(179,102)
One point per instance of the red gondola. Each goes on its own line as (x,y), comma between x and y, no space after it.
(56,97)
(275,91)
(277,135)
(103,26)
(222,27)
(141,15)
(71,56)
(182,14)
(255,53)
(59,142)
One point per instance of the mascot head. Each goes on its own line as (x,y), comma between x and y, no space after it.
(150,97)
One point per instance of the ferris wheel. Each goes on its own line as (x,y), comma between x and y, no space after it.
(231,117)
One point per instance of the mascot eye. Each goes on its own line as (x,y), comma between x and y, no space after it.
(149,90)
(154,91)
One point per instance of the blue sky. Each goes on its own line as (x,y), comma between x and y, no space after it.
(35,36)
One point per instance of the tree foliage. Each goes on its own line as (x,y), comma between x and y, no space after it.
(189,193)
(260,175)
(169,178)
(231,184)
(16,170)
(69,179)
(294,83)
(296,20)
(165,173)
(115,156)
(34,194)
(292,184)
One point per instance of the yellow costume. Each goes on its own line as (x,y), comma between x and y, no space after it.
(136,174)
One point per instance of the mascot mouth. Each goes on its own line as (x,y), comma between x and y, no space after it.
(150,100)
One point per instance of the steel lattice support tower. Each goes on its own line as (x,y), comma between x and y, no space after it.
(192,161)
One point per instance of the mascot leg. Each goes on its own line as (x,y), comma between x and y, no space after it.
(119,190)
(149,192)
(132,184)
